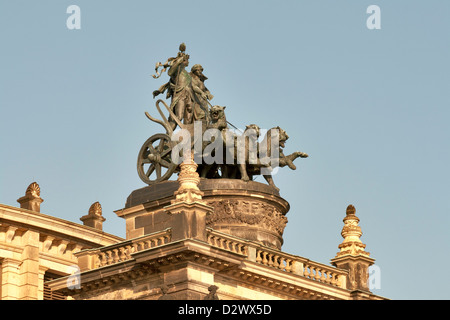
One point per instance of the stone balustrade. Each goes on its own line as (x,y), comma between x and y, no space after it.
(276,260)
(96,258)
(325,274)
(225,242)
(108,255)
(301,266)
(122,251)
(279,260)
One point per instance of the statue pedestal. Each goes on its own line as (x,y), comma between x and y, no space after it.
(249,210)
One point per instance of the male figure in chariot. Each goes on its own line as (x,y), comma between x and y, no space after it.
(202,94)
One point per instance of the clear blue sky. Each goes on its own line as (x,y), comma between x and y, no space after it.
(370,107)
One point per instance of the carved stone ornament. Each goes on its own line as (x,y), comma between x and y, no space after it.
(33,190)
(242,212)
(32,199)
(188,179)
(95,209)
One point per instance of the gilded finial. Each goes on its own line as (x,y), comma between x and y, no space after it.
(351,232)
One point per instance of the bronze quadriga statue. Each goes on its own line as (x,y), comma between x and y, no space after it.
(203,131)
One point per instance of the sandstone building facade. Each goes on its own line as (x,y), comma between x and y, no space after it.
(190,239)
(36,248)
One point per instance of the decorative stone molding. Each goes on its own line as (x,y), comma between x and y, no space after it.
(249,212)
(10,233)
(252,218)
(188,180)
(47,242)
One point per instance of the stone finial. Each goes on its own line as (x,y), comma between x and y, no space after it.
(351,233)
(32,199)
(188,179)
(352,255)
(94,217)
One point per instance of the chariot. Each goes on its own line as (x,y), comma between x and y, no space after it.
(154,163)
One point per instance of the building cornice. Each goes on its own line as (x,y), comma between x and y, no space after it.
(43,223)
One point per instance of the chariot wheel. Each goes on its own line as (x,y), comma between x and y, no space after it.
(154,163)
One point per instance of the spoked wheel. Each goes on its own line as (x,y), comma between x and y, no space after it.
(154,163)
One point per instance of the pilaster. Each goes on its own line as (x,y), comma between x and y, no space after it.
(41,275)
(10,276)
(29,269)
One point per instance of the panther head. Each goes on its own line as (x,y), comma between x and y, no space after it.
(282,136)
(217,113)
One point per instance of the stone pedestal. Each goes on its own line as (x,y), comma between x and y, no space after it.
(188,221)
(248,210)
(358,270)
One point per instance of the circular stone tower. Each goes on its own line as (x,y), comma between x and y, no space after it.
(249,210)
